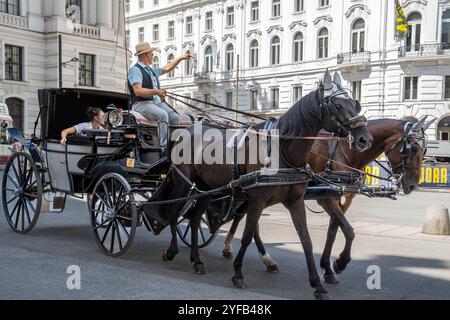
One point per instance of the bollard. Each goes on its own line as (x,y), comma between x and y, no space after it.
(437,221)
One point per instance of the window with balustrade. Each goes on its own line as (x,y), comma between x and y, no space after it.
(10,7)
(445,33)
(358,35)
(414,32)
(356,90)
(208,66)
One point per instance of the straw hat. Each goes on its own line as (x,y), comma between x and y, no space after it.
(142,48)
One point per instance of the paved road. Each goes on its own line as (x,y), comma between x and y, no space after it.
(412,266)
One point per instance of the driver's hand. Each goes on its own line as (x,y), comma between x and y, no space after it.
(186,56)
(63,141)
(162,93)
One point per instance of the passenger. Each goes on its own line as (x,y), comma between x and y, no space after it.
(146,95)
(97,121)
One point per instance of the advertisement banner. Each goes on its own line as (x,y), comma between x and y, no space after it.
(433,175)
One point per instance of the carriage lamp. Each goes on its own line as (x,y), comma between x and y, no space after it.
(115,118)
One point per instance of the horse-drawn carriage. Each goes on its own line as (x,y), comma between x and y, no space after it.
(131,182)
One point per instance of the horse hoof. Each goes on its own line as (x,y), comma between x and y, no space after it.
(337,268)
(167,257)
(199,269)
(273,268)
(227,255)
(331,279)
(321,295)
(239,283)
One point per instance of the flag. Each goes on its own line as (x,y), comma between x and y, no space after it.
(401,24)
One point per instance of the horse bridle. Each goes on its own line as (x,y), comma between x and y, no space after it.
(332,111)
(406,151)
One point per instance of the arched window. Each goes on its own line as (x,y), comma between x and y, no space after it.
(188,66)
(229,57)
(170,58)
(298,47)
(323,43)
(208,67)
(16,111)
(358,35)
(445,36)
(275,46)
(444,129)
(414,30)
(156,62)
(254,54)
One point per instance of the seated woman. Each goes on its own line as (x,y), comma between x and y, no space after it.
(97,121)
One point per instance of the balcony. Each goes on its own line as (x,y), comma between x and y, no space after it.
(424,52)
(86,31)
(204,77)
(350,60)
(13,20)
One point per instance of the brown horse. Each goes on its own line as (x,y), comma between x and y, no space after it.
(330,108)
(404,144)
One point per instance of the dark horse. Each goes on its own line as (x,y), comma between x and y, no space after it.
(328,107)
(404,144)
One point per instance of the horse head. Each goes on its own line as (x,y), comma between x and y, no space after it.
(407,153)
(340,113)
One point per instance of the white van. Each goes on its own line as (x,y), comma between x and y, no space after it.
(5,142)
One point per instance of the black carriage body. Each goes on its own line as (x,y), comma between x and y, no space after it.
(133,150)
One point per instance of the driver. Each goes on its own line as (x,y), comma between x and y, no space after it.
(97,121)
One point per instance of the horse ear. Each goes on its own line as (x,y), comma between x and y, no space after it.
(327,82)
(419,125)
(337,79)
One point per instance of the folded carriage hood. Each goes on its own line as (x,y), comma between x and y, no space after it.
(64,108)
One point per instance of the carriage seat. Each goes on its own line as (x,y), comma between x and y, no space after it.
(139,119)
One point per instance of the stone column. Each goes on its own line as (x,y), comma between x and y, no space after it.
(104,13)
(58,8)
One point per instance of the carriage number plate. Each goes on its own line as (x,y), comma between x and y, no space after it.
(130,163)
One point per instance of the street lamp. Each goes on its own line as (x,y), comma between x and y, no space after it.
(75,60)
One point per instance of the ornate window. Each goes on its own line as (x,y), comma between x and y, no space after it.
(208,66)
(275,48)
(170,58)
(323,43)
(13,63)
(254,54)
(298,47)
(414,31)
(358,36)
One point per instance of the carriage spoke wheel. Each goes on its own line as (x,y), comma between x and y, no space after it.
(205,237)
(21,193)
(114,214)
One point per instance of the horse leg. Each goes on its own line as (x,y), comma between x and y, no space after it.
(338,219)
(228,249)
(253,215)
(170,253)
(195,220)
(298,215)
(270,264)
(325,261)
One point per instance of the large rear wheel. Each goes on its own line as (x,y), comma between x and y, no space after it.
(21,193)
(114,214)
(205,237)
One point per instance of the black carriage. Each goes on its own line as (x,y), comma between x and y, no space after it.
(117,169)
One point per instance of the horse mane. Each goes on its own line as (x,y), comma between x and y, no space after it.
(303,118)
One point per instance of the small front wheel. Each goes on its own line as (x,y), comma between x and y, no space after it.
(114,214)
(21,193)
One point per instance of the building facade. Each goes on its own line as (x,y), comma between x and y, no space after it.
(59,43)
(263,55)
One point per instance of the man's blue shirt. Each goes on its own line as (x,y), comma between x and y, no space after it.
(135,76)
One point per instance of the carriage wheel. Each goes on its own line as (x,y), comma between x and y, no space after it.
(114,214)
(21,193)
(205,237)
